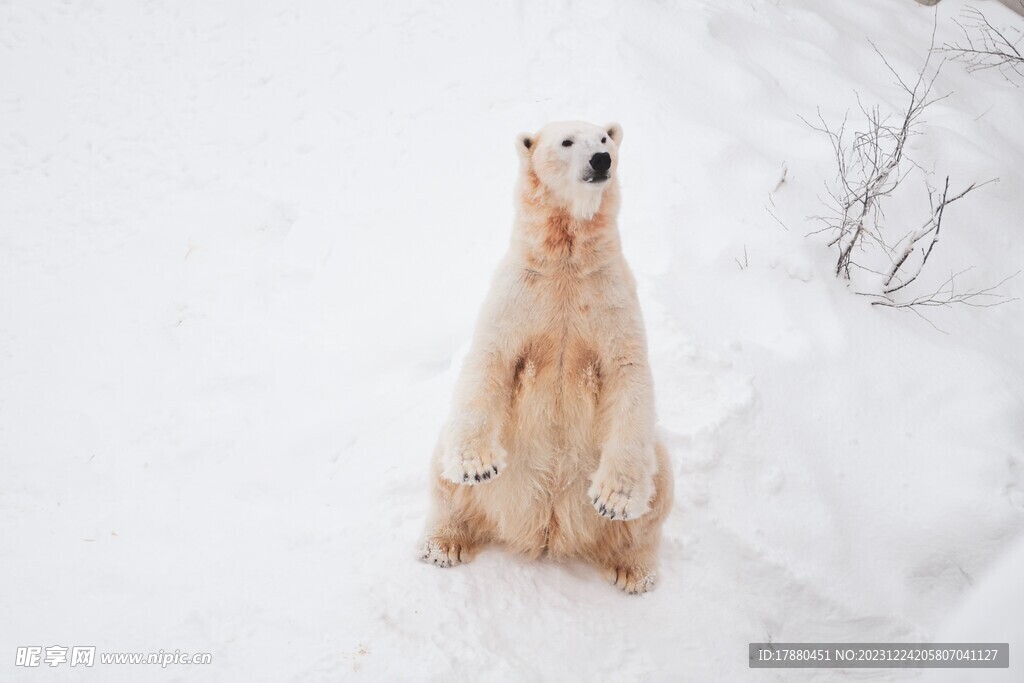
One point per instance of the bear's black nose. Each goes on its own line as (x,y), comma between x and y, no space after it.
(601,161)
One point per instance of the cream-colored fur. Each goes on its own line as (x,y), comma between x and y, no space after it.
(550,446)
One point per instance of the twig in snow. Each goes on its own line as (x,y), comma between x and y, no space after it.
(745,263)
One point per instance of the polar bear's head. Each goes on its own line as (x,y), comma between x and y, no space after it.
(574,161)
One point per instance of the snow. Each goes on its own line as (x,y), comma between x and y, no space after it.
(241,253)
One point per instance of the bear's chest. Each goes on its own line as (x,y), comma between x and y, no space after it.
(561,353)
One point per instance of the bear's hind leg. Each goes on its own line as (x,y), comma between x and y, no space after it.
(457,528)
(627,551)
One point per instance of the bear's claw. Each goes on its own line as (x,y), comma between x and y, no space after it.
(475,469)
(617,501)
(618,510)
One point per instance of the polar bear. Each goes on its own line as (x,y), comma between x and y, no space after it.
(550,445)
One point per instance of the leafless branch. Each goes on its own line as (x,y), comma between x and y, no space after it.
(984,46)
(946,294)
(895,279)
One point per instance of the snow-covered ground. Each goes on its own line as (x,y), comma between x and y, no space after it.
(241,253)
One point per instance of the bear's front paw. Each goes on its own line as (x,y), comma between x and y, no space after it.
(474,465)
(619,499)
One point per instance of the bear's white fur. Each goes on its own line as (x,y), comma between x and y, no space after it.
(550,446)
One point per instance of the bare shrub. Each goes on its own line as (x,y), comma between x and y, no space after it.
(872,166)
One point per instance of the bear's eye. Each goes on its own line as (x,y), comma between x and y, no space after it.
(566,143)
(604,140)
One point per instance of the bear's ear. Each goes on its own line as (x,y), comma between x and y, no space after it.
(525,144)
(614,132)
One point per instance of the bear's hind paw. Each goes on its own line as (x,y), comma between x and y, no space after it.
(631,580)
(445,553)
